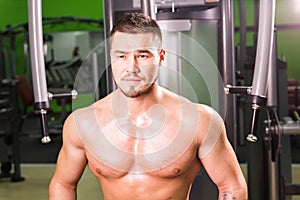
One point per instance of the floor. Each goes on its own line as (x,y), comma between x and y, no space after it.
(35,186)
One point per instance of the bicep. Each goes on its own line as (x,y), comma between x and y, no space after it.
(71,160)
(222,166)
(217,155)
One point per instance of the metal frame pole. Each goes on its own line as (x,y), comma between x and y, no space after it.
(273,157)
(148,8)
(108,6)
(229,68)
(263,54)
(38,64)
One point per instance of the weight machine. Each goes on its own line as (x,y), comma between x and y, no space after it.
(269,172)
(12,87)
(9,115)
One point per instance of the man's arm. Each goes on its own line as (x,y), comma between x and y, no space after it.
(70,165)
(222,166)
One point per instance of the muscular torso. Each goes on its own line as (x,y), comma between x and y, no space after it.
(132,156)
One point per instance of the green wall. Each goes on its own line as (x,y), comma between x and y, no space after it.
(288,12)
(288,41)
(15,11)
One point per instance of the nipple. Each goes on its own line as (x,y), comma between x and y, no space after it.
(98,170)
(176,170)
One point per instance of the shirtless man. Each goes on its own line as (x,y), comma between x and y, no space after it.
(143,141)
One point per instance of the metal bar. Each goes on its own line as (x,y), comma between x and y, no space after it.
(38,64)
(179,64)
(148,8)
(278,27)
(263,54)
(108,25)
(243,39)
(229,68)
(72,94)
(264,46)
(285,129)
(237,89)
(212,13)
(2,61)
(273,166)
(272,86)
(12,56)
(292,189)
(274,173)
(95,75)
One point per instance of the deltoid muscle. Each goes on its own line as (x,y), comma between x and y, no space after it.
(212,135)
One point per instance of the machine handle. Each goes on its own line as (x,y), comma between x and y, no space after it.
(73,94)
(43,118)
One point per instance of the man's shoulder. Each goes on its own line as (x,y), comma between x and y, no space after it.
(206,110)
(203,109)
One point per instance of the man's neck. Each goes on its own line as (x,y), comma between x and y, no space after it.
(142,104)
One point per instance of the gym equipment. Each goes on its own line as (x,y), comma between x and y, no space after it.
(263,56)
(41,95)
(7,45)
(10,115)
(257,92)
(38,65)
(13,86)
(274,158)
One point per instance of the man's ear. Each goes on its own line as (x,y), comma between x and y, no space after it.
(161,56)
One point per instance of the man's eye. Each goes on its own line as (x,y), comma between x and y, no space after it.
(143,56)
(121,56)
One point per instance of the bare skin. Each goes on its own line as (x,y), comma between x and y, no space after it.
(143,141)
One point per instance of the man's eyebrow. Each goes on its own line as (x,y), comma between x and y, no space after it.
(143,51)
(138,50)
(120,51)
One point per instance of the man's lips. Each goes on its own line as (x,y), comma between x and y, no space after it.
(132,79)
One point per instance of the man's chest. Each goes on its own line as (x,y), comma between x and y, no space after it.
(121,144)
(130,153)
(121,165)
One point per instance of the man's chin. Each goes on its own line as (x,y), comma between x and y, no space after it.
(134,93)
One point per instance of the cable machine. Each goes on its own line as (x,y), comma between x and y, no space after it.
(269,161)
(41,95)
(10,81)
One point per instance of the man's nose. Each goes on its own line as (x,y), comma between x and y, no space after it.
(132,65)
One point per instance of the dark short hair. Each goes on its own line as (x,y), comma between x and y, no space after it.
(137,23)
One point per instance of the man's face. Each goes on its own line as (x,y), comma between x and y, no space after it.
(135,60)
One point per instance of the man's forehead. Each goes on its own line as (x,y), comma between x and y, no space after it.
(134,41)
(128,50)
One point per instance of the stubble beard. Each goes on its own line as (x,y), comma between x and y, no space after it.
(133,92)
